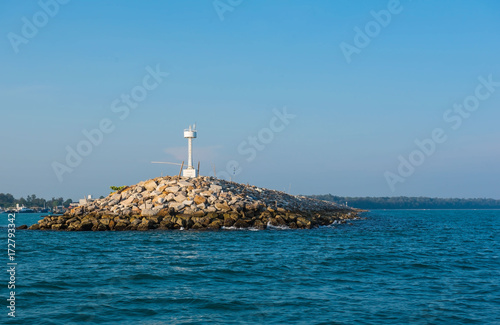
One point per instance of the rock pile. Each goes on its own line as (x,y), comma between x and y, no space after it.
(196,203)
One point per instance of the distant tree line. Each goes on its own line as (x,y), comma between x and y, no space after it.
(8,200)
(404,202)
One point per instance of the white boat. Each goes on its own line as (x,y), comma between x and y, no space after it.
(24,209)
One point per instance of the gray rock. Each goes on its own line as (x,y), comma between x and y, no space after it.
(206,193)
(185,184)
(187,202)
(128,201)
(150,185)
(177,206)
(211,209)
(172,189)
(149,212)
(222,206)
(215,188)
(180,198)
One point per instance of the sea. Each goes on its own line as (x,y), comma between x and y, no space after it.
(388,267)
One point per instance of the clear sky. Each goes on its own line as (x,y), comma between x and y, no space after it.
(311,97)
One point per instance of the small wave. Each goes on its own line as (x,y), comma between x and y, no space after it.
(233,228)
(334,224)
(271,227)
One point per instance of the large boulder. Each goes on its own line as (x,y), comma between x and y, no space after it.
(150,185)
(222,207)
(86,225)
(149,212)
(199,199)
(240,223)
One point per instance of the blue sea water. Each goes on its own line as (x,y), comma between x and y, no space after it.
(394,267)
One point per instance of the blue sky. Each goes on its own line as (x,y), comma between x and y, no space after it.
(353,120)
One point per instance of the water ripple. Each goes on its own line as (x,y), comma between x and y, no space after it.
(395,267)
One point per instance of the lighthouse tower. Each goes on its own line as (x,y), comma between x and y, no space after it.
(190,134)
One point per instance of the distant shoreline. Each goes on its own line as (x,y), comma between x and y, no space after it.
(411,203)
(437,209)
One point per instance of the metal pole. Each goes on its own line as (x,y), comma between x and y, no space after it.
(180,171)
(190,158)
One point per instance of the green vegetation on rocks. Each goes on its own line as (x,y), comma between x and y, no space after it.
(117,188)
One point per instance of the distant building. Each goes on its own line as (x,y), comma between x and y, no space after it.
(85,201)
(59,209)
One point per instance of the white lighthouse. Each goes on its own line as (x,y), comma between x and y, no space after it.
(190,134)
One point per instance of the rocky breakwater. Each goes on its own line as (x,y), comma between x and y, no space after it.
(196,203)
